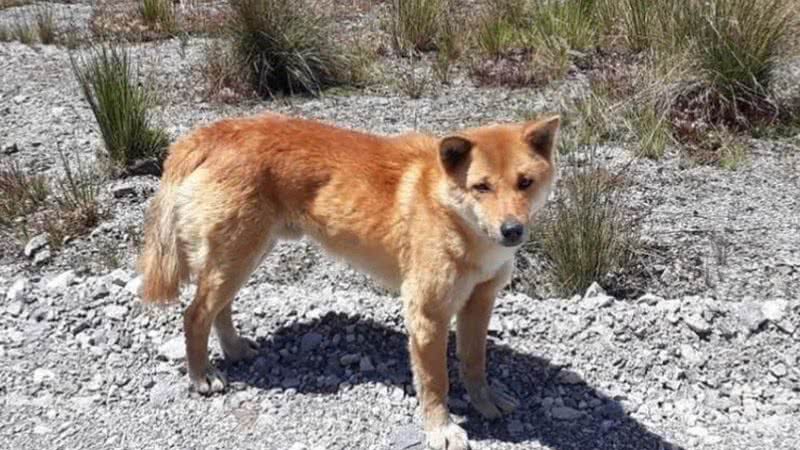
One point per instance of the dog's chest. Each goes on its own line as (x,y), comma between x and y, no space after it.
(481,270)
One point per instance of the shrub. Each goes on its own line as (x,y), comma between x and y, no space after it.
(651,129)
(120,105)
(415,24)
(737,44)
(45,23)
(20,193)
(286,47)
(158,13)
(22,29)
(500,26)
(586,236)
(226,80)
(74,202)
(565,23)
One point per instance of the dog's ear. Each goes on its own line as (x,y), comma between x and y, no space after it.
(542,135)
(454,153)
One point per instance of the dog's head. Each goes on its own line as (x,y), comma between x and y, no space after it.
(499,176)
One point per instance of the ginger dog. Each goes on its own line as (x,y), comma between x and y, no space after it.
(437,219)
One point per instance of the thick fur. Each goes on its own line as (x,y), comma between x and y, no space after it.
(423,215)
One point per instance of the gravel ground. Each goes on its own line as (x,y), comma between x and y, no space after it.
(707,358)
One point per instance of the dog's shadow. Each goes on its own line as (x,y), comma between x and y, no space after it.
(559,410)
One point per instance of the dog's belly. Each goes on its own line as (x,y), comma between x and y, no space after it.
(372,261)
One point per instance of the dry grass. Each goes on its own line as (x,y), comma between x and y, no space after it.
(159,14)
(586,236)
(415,25)
(45,23)
(287,48)
(30,205)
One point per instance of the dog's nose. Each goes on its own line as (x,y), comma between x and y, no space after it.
(512,232)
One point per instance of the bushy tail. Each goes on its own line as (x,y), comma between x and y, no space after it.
(162,262)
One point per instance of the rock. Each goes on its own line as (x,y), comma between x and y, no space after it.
(40,375)
(174,349)
(594,290)
(698,431)
(100,290)
(597,302)
(14,308)
(751,316)
(698,324)
(310,341)
(35,244)
(134,286)
(60,282)
(650,299)
(565,413)
(778,369)
(42,429)
(119,277)
(123,190)
(406,438)
(16,293)
(42,257)
(116,312)
(568,377)
(365,365)
(10,149)
(775,310)
(691,355)
(350,359)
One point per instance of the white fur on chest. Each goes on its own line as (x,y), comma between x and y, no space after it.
(488,266)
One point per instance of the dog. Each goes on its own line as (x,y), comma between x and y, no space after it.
(437,219)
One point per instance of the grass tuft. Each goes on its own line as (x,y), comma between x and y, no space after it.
(286,47)
(120,105)
(45,23)
(586,236)
(20,193)
(415,24)
(159,14)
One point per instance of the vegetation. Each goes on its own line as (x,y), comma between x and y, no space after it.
(159,14)
(586,237)
(286,47)
(120,104)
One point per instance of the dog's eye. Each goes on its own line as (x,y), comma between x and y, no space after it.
(482,187)
(524,183)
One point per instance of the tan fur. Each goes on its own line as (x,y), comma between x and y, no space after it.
(411,210)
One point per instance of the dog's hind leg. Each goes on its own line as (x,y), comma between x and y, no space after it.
(228,267)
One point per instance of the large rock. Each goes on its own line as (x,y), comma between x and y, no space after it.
(61,282)
(16,293)
(35,244)
(174,349)
(775,310)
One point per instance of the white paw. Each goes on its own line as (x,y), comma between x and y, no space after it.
(209,382)
(447,437)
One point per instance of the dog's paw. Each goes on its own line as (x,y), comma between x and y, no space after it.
(241,350)
(447,437)
(491,401)
(210,382)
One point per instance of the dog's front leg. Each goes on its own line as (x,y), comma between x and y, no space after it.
(472,326)
(428,319)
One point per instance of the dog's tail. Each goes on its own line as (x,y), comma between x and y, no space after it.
(163,262)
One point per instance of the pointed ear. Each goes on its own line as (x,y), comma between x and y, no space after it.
(542,135)
(454,153)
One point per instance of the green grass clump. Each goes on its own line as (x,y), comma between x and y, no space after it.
(286,47)
(120,104)
(415,24)
(586,236)
(159,13)
(45,24)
